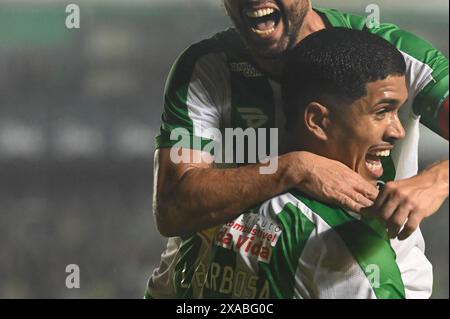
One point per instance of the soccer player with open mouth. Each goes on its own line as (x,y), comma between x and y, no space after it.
(234,77)
(293,246)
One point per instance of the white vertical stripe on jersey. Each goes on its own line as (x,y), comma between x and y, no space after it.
(209,94)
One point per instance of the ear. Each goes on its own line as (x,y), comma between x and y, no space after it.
(317,120)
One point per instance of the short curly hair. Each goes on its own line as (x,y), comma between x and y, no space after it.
(334,66)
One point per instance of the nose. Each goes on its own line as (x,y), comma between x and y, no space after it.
(395,129)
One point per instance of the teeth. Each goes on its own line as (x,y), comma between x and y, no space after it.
(374,167)
(266,32)
(385,153)
(260,13)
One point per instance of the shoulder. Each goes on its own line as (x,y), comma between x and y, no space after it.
(301,206)
(412,46)
(222,44)
(293,205)
(207,58)
(339,19)
(408,43)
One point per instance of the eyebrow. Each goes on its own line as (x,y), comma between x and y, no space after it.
(390,101)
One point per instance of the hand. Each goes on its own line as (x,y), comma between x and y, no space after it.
(334,183)
(407,202)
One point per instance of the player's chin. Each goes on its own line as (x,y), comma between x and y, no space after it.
(268,54)
(269,50)
(272,45)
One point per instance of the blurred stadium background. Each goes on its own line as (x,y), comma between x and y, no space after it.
(78,113)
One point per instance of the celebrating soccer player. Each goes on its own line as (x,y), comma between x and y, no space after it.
(232,81)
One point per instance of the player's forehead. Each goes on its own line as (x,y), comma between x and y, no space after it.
(392,88)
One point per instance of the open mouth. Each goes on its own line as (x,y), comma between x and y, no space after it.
(373,161)
(263,21)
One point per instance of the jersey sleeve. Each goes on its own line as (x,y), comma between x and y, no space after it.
(432,104)
(193,99)
(427,74)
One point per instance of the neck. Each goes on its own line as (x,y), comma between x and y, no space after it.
(274,67)
(307,142)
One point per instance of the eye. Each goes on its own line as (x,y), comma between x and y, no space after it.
(381,113)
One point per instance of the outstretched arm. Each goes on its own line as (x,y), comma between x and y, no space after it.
(190,197)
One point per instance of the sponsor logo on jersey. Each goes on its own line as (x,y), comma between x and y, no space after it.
(250,235)
(253,116)
(247,70)
(226,280)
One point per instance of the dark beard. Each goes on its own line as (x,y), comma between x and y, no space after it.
(296,23)
(292,24)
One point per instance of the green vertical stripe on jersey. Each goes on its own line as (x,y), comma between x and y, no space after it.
(368,243)
(370,249)
(252,104)
(176,113)
(218,288)
(285,255)
(251,93)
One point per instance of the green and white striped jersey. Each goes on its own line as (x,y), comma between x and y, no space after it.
(293,247)
(216,84)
